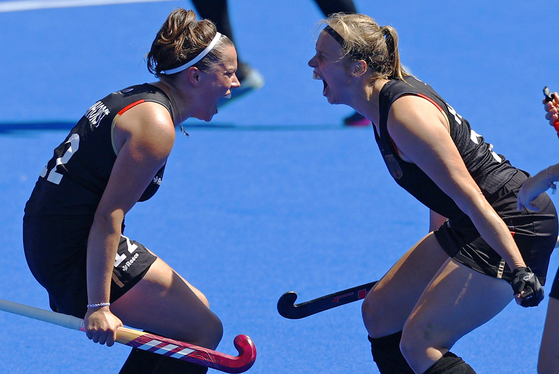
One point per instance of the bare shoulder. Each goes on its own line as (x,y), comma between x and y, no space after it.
(416,114)
(415,106)
(148,125)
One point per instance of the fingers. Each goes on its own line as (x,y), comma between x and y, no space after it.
(102,337)
(111,340)
(519,297)
(552,115)
(522,203)
(526,202)
(102,325)
(552,109)
(526,287)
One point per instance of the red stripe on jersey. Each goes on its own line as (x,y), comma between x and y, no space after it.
(431,101)
(130,106)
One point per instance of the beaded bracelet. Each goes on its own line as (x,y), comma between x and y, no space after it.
(98,305)
(552,185)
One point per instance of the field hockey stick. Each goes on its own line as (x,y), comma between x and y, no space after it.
(549,97)
(150,342)
(288,309)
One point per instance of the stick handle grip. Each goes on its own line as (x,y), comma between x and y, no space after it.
(59,319)
(125,335)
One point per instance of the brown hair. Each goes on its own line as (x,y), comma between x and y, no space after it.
(181,38)
(364,39)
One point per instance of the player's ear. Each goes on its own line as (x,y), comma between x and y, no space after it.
(194,76)
(358,68)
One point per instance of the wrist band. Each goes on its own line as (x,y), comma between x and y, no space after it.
(98,305)
(552,185)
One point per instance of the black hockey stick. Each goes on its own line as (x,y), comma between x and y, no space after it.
(288,309)
(547,93)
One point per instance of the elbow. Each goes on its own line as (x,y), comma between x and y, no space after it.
(108,221)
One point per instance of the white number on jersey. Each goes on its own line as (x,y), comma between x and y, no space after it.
(52,175)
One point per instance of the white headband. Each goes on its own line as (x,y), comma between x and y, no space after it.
(195,59)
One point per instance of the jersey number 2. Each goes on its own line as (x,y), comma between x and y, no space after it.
(52,175)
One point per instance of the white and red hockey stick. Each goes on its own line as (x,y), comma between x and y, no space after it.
(150,342)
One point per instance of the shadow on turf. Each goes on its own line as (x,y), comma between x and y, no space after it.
(13,127)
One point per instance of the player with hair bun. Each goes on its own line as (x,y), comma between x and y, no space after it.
(114,157)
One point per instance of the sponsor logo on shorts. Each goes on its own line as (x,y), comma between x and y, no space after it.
(129,263)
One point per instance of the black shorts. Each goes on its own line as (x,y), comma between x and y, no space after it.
(55,250)
(535,234)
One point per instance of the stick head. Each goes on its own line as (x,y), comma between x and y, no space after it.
(287,307)
(247,353)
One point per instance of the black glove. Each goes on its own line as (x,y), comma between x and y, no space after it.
(525,280)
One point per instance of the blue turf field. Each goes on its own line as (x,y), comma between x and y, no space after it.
(274,195)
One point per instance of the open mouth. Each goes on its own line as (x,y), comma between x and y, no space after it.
(318,77)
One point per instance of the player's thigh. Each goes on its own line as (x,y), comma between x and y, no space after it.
(164,303)
(390,302)
(457,301)
(548,361)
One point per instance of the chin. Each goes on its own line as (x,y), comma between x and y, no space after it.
(331,100)
(209,117)
(206,117)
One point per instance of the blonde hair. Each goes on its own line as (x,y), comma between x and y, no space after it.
(364,39)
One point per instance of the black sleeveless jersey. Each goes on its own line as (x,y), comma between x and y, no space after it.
(490,170)
(76,176)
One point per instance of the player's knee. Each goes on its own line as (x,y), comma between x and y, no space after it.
(206,332)
(408,348)
(213,332)
(366,311)
(414,344)
(373,317)
(218,332)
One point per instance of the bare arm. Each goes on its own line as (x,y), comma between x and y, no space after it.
(144,136)
(540,182)
(537,185)
(420,132)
